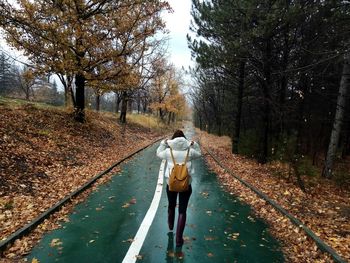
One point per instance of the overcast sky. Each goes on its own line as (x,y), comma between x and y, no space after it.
(178,24)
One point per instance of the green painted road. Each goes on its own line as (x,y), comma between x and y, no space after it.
(219,227)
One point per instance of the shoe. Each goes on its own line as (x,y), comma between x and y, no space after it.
(181,222)
(171,218)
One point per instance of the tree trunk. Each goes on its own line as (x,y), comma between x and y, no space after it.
(27,92)
(138,107)
(235,138)
(117,102)
(219,124)
(80,97)
(295,158)
(98,101)
(122,117)
(129,107)
(72,97)
(169,118)
(346,148)
(144,107)
(338,119)
(161,114)
(284,81)
(66,96)
(266,83)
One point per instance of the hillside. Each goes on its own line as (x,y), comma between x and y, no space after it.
(45,155)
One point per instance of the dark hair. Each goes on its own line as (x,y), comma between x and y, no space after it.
(178,133)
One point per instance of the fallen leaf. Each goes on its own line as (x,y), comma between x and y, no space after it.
(55,242)
(126,205)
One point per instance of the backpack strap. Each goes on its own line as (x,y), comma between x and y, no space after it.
(172,155)
(188,152)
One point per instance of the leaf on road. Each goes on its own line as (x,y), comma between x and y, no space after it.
(132,201)
(126,205)
(55,242)
(130,240)
(233,236)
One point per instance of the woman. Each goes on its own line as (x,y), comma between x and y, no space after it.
(179,145)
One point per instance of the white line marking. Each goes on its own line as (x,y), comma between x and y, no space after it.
(135,247)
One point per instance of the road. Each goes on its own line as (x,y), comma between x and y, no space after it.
(219,227)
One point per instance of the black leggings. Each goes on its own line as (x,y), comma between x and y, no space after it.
(183,199)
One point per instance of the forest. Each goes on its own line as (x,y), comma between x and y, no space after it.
(274,76)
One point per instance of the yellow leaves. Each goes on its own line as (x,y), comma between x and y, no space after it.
(126,205)
(108,37)
(55,242)
(28,75)
(233,236)
(35,260)
(131,202)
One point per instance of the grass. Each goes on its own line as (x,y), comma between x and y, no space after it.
(15,103)
(146,120)
(149,121)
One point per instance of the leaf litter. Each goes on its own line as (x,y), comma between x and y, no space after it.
(324,209)
(38,169)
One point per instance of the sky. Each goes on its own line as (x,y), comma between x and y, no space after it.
(178,24)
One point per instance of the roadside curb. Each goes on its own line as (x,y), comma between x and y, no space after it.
(34,223)
(319,242)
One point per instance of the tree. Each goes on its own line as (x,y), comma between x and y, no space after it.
(77,37)
(263,68)
(344,88)
(26,81)
(7,73)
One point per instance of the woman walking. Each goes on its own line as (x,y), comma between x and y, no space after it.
(180,150)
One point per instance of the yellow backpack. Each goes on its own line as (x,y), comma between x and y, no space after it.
(179,178)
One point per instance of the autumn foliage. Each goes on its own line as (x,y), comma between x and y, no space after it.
(167,100)
(95,43)
(45,155)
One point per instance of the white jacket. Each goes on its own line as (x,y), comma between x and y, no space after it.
(180,146)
